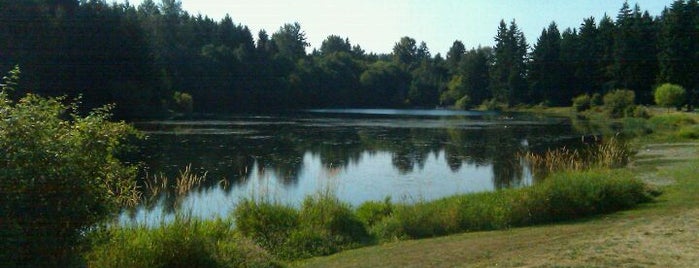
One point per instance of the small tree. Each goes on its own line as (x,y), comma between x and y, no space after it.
(670,95)
(619,103)
(58,177)
(183,102)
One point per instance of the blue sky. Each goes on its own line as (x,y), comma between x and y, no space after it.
(377,25)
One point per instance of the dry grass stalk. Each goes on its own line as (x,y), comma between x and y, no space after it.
(160,184)
(611,153)
(187,181)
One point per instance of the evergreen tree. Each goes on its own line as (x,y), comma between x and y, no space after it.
(454,56)
(546,68)
(589,69)
(679,43)
(607,31)
(635,61)
(405,53)
(334,44)
(508,82)
(290,41)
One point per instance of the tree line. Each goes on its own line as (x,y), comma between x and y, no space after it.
(155,57)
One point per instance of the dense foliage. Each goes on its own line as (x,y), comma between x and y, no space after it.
(58,177)
(139,56)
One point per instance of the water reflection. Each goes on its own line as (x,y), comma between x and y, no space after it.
(363,156)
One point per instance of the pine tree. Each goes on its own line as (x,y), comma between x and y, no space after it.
(508,82)
(545,74)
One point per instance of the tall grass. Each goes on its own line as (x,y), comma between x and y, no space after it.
(261,231)
(563,196)
(185,242)
(324,225)
(160,185)
(610,153)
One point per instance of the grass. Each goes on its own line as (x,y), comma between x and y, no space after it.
(266,231)
(661,233)
(564,196)
(185,242)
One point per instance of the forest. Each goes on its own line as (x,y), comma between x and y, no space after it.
(155,59)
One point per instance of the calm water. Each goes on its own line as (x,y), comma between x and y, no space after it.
(358,154)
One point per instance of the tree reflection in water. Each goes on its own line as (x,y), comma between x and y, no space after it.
(239,148)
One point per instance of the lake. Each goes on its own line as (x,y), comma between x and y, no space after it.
(358,154)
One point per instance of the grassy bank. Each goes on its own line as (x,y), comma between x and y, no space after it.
(265,231)
(662,233)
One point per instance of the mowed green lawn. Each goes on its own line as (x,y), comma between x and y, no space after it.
(664,233)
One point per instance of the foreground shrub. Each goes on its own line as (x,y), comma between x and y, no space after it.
(58,176)
(182,243)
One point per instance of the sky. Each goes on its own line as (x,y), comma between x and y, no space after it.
(376,25)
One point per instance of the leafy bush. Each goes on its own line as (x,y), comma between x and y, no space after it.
(582,103)
(670,95)
(619,103)
(58,175)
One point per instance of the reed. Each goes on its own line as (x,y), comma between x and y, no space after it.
(188,180)
(159,185)
(610,153)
